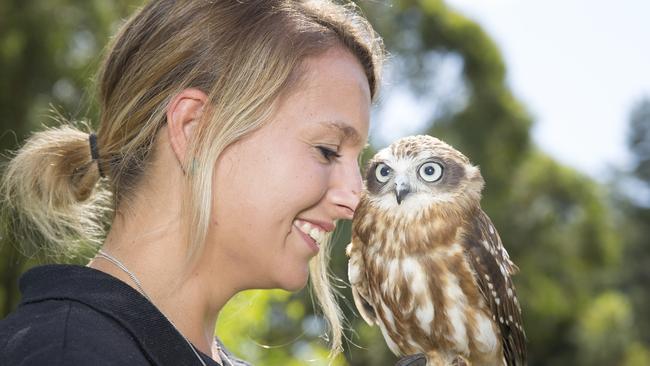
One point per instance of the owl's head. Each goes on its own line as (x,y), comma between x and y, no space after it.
(420,171)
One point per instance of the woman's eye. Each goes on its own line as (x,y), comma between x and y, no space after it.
(382,173)
(328,153)
(431,172)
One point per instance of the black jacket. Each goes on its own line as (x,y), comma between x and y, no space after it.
(74,315)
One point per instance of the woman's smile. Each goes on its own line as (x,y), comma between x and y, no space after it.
(314,234)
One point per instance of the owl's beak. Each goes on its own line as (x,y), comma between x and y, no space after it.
(401,189)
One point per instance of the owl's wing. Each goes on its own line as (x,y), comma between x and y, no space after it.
(493,268)
(359,285)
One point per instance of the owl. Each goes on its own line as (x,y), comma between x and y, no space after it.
(427,266)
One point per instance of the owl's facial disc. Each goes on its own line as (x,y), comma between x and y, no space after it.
(402,188)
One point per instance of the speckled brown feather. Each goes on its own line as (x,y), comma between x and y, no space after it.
(422,273)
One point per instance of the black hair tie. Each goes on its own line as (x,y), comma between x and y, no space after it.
(94,152)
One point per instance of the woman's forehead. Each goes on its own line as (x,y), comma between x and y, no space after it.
(336,65)
(333,96)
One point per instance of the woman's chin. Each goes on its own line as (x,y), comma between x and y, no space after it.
(294,281)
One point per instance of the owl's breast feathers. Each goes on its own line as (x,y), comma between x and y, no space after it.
(429,283)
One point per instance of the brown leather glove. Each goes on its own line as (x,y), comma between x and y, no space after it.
(412,360)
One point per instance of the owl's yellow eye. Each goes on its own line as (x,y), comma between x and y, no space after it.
(431,172)
(382,172)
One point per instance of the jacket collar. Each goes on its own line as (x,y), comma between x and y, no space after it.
(159,341)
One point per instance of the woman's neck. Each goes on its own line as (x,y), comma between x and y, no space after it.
(147,238)
(154,254)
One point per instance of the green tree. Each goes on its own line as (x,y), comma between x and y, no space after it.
(634,203)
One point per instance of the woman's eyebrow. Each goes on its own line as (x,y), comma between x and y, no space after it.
(348,132)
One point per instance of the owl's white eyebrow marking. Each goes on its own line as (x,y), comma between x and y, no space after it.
(348,132)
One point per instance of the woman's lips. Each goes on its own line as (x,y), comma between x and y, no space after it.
(311,243)
(314,233)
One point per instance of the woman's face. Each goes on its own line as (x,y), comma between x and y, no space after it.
(282,187)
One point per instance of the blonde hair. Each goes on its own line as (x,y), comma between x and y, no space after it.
(243,54)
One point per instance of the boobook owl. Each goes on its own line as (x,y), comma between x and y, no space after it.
(426,264)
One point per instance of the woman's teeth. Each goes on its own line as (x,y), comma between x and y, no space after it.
(319,235)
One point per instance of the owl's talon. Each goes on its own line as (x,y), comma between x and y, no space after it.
(412,360)
(460,361)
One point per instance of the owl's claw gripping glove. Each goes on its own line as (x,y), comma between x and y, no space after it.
(412,360)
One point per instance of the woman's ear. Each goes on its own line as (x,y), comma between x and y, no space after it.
(183,114)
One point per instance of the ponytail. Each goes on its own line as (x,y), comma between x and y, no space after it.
(50,196)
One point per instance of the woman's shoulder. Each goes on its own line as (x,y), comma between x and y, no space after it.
(64,332)
(61,320)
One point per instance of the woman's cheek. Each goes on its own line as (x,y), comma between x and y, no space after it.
(321,176)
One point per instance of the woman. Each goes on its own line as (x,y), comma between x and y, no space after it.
(226,152)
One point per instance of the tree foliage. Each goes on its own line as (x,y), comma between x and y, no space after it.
(634,204)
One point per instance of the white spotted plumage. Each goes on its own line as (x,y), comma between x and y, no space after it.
(426,263)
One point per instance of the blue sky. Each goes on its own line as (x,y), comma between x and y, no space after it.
(578,66)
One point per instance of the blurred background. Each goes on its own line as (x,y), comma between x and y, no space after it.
(550,98)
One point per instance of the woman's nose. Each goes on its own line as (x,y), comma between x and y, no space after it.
(345,191)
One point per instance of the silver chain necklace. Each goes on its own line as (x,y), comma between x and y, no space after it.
(120,265)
